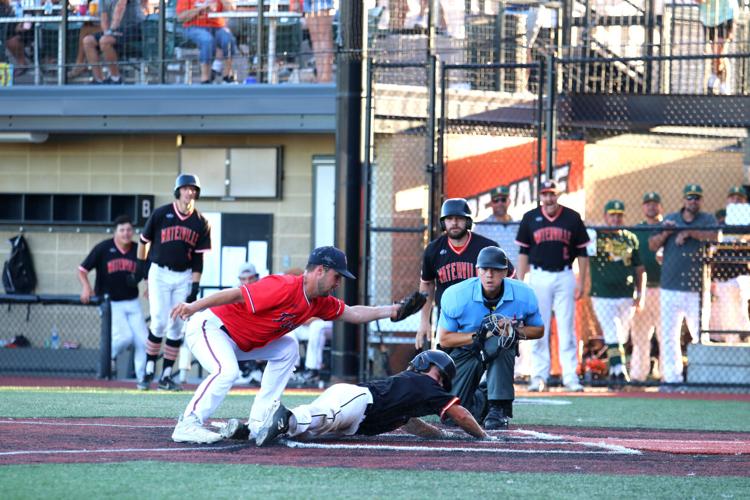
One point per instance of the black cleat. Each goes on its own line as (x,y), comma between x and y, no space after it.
(275,424)
(496,419)
(167,384)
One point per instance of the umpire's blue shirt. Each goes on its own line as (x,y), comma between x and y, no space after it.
(462,306)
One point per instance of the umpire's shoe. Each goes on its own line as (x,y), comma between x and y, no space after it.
(190,430)
(275,424)
(496,419)
(234,429)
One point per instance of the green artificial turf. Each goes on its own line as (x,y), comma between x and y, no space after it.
(140,480)
(654,413)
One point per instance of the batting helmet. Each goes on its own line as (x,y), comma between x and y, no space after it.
(422,361)
(187,180)
(456,207)
(492,258)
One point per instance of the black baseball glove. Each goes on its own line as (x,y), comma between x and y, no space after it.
(193,292)
(409,305)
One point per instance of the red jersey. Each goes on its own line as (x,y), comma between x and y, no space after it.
(273,307)
(202,21)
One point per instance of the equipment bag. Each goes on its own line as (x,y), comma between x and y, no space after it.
(18,271)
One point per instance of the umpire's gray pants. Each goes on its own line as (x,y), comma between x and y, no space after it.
(469,370)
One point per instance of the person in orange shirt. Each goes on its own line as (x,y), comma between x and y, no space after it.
(208,33)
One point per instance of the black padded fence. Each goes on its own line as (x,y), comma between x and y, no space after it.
(55,335)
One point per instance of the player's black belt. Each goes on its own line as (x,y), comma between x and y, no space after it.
(174,269)
(553,269)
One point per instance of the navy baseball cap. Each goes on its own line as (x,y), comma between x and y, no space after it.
(332,258)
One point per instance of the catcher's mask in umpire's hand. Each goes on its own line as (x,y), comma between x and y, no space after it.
(422,361)
(187,180)
(456,207)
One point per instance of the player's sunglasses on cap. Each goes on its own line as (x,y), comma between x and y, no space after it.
(549,186)
(332,258)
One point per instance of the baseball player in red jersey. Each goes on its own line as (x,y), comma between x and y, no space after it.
(115,262)
(551,237)
(251,323)
(174,240)
(448,260)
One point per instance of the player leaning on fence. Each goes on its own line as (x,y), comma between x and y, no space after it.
(114,260)
(682,235)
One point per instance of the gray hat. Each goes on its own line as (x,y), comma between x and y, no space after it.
(247,268)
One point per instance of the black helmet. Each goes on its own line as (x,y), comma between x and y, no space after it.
(492,258)
(187,180)
(455,206)
(422,361)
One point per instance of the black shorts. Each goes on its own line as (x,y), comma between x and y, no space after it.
(722,31)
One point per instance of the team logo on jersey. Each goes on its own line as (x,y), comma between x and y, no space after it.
(112,250)
(552,233)
(443,251)
(454,271)
(286,322)
(538,218)
(169,216)
(179,233)
(116,265)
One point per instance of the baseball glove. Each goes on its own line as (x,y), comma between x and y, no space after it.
(409,305)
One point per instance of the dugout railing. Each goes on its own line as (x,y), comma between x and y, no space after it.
(55,335)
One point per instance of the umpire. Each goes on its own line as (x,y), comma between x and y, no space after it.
(464,330)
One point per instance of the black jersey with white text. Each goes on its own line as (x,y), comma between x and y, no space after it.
(552,243)
(175,237)
(403,396)
(447,265)
(113,265)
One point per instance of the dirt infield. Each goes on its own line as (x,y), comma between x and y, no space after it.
(527,449)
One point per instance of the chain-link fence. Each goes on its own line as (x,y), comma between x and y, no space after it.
(615,127)
(54,335)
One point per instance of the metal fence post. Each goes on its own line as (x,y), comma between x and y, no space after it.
(551,121)
(105,340)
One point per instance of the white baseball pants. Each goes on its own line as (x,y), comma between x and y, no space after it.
(615,316)
(166,289)
(337,411)
(219,355)
(644,326)
(676,305)
(315,334)
(555,291)
(129,327)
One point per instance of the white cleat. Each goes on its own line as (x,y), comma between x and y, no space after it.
(574,386)
(537,384)
(190,430)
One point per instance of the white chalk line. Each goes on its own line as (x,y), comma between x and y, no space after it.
(119,450)
(452,449)
(91,424)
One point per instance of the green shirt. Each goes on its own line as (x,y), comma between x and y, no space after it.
(613,266)
(648,258)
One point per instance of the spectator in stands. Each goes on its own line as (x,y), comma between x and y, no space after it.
(717,17)
(17,37)
(319,16)
(88,28)
(120,22)
(209,33)
(682,237)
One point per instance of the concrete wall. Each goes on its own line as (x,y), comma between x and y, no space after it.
(148,164)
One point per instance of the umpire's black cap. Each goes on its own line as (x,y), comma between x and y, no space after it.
(332,258)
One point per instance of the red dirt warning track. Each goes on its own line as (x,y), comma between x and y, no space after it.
(539,449)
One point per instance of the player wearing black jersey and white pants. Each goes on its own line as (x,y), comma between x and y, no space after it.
(551,237)
(115,262)
(448,260)
(375,407)
(174,240)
